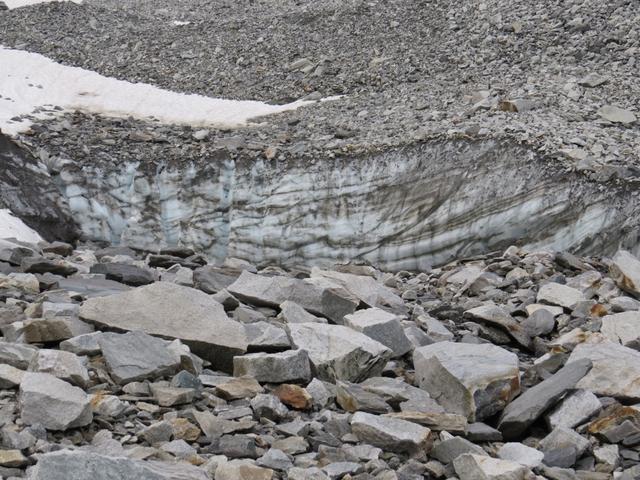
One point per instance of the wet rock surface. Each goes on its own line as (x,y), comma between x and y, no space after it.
(474,401)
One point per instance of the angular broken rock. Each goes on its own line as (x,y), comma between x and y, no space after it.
(615,369)
(529,406)
(435,421)
(43,330)
(175,312)
(80,465)
(291,312)
(476,381)
(575,408)
(367,289)
(10,376)
(339,353)
(382,326)
(558,294)
(63,365)
(625,271)
(622,328)
(289,366)
(616,114)
(451,448)
(562,447)
(134,356)
(16,355)
(520,453)
(480,467)
(272,291)
(124,273)
(496,316)
(391,434)
(53,403)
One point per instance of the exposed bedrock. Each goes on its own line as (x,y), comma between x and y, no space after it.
(404,208)
(31,194)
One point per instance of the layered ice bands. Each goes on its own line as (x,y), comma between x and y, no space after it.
(35,87)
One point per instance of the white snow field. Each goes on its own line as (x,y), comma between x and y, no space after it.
(13,227)
(23,3)
(32,84)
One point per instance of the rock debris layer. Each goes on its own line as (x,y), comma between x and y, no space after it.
(370,376)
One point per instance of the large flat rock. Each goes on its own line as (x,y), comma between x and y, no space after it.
(77,465)
(272,291)
(175,312)
(476,381)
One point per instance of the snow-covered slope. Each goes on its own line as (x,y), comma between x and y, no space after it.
(23,3)
(31,84)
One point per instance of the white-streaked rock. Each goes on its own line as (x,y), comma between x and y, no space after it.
(622,328)
(339,353)
(476,381)
(560,295)
(615,371)
(382,326)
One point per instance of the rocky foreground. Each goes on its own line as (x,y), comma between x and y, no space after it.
(126,364)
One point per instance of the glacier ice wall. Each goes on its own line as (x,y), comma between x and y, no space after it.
(404,208)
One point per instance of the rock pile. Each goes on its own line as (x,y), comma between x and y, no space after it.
(519,365)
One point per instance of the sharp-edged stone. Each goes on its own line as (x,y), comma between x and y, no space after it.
(529,406)
(339,353)
(175,312)
(476,381)
(272,291)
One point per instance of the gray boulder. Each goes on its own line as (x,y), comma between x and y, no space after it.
(291,312)
(622,328)
(561,295)
(625,270)
(476,381)
(289,366)
(480,467)
(176,312)
(80,465)
(615,369)
(366,288)
(272,291)
(63,365)
(339,353)
(529,406)
(391,434)
(53,403)
(134,356)
(382,326)
(496,316)
(576,408)
(124,273)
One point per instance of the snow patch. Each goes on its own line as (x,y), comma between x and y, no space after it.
(31,84)
(13,227)
(23,3)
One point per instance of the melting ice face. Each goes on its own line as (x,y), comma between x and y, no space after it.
(33,85)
